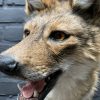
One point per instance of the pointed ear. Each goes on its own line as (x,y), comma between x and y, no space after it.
(83,4)
(33,5)
(91,7)
(28,7)
(39,5)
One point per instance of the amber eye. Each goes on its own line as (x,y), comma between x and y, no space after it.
(58,36)
(26,32)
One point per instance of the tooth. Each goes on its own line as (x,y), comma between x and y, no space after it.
(36,94)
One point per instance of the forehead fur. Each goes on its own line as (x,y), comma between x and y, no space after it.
(53,20)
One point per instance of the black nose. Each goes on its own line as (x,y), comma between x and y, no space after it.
(7,64)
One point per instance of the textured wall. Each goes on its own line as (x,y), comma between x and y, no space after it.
(12,17)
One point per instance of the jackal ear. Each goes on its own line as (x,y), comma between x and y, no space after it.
(87,7)
(28,7)
(83,4)
(33,5)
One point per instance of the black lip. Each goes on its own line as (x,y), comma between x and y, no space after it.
(50,84)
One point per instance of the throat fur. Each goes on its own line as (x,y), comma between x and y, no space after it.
(68,88)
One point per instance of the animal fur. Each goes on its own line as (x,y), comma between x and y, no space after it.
(78,55)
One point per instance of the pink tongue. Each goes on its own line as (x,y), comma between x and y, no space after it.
(27,90)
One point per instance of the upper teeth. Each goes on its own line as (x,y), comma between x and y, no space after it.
(36,94)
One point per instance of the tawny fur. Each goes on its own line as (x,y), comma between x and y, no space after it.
(80,64)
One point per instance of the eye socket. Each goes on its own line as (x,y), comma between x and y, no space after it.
(26,32)
(58,36)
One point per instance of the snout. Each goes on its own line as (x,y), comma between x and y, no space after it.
(8,65)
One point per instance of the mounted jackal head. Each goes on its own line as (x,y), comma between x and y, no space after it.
(59,36)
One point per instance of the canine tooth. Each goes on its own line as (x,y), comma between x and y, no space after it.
(36,94)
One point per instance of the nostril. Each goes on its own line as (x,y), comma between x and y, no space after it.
(7,64)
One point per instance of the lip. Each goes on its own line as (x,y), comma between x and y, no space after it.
(49,81)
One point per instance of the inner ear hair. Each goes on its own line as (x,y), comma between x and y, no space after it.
(28,7)
(86,4)
(33,5)
(83,4)
(89,12)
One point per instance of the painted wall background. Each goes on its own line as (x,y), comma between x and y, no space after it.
(12,17)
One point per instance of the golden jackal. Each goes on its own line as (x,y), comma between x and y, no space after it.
(59,55)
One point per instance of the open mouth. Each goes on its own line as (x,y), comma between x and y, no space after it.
(38,90)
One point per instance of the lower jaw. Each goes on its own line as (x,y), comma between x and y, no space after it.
(47,88)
